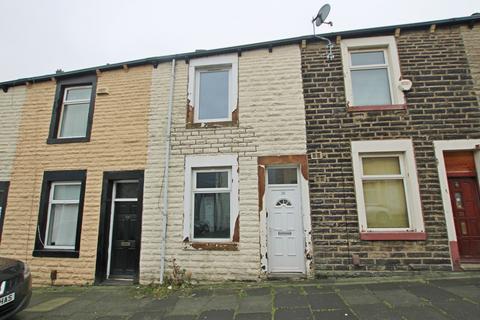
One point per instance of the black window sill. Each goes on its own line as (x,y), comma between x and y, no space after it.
(67,140)
(56,253)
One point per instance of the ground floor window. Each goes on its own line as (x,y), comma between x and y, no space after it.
(386,186)
(211,197)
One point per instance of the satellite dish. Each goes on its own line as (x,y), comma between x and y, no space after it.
(322,14)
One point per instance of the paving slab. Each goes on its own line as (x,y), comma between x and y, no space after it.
(325,301)
(460,309)
(229,302)
(293,314)
(151,315)
(255,304)
(431,293)
(375,312)
(334,315)
(399,298)
(318,289)
(423,313)
(161,304)
(470,292)
(190,306)
(181,317)
(288,290)
(254,316)
(258,291)
(286,300)
(217,315)
(52,304)
(358,296)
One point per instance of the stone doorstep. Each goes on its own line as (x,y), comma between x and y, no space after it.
(470,266)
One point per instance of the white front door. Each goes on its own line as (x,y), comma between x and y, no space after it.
(284,220)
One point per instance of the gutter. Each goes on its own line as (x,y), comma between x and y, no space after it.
(238,49)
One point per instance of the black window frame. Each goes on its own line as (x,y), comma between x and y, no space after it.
(5,185)
(48,178)
(90,80)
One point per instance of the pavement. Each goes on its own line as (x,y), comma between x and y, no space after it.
(406,298)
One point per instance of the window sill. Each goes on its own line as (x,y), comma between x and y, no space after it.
(377,108)
(55,253)
(67,140)
(219,124)
(392,236)
(212,246)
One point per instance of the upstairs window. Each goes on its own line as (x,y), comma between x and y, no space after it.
(213,88)
(372,72)
(73,110)
(74,113)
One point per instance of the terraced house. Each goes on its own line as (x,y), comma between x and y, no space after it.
(393,137)
(251,161)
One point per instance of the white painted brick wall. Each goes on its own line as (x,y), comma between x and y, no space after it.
(272,122)
(11,104)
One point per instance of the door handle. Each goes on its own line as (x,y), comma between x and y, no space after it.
(125,243)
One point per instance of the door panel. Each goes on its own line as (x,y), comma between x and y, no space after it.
(465,201)
(124,239)
(285,229)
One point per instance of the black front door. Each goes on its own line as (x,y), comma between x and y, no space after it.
(3,203)
(124,256)
(125,226)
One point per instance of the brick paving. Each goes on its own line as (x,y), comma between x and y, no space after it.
(454,298)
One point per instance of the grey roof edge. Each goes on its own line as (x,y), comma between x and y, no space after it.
(235,49)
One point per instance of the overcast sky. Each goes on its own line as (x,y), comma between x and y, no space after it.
(41,36)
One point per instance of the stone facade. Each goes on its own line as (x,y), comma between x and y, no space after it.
(11,104)
(271,122)
(118,142)
(442,105)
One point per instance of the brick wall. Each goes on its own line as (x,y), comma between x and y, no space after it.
(471,40)
(118,142)
(11,104)
(271,122)
(441,105)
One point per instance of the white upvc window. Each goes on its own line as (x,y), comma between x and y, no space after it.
(386,186)
(213,87)
(74,112)
(211,198)
(62,216)
(372,71)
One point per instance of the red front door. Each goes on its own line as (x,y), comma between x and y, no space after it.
(465,200)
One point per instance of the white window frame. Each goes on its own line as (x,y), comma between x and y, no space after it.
(52,202)
(383,148)
(388,45)
(196,190)
(195,164)
(66,102)
(228,62)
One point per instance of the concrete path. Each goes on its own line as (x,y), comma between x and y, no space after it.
(457,298)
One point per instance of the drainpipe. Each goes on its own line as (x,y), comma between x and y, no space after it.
(165,173)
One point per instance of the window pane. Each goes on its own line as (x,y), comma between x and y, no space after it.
(213,99)
(370,87)
(385,204)
(79,94)
(62,225)
(381,165)
(212,215)
(366,58)
(127,190)
(212,179)
(282,175)
(66,192)
(74,120)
